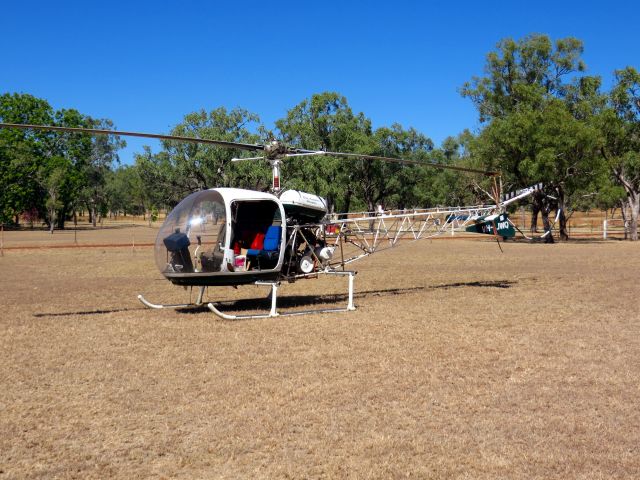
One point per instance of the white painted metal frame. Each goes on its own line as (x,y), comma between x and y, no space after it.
(375,232)
(274,300)
(158,306)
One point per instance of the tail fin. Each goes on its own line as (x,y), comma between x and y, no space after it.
(498,225)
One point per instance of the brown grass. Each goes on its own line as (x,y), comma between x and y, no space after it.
(460,362)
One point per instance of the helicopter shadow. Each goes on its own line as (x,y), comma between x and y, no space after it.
(100,311)
(292,301)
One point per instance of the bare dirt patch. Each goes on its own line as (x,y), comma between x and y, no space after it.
(460,362)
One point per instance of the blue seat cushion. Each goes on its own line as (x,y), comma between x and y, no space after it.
(272,238)
(271,243)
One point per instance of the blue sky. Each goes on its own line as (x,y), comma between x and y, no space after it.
(146,64)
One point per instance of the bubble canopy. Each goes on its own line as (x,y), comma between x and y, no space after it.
(195,239)
(201,214)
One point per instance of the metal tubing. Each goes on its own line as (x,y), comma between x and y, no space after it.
(148,304)
(200,295)
(274,300)
(350,305)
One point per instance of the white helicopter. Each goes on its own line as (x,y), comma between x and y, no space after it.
(231,236)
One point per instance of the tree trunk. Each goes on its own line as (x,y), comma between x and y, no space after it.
(62,215)
(542,204)
(92,214)
(634,207)
(347,202)
(633,201)
(535,209)
(564,233)
(52,220)
(331,204)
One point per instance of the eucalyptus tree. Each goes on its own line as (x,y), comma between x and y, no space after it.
(70,152)
(98,166)
(447,187)
(41,171)
(531,131)
(22,156)
(123,191)
(200,166)
(182,168)
(394,184)
(620,125)
(325,121)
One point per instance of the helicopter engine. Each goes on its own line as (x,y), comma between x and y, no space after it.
(309,250)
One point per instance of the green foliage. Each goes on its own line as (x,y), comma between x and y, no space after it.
(182,168)
(543,120)
(97,166)
(524,72)
(201,166)
(540,119)
(620,125)
(22,154)
(325,122)
(124,192)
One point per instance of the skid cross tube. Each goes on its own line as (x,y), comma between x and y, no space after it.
(274,301)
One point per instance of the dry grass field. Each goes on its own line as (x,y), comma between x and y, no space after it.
(460,362)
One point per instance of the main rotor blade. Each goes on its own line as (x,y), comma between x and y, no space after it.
(218,143)
(405,161)
(244,146)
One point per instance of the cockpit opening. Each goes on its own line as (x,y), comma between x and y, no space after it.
(198,238)
(256,233)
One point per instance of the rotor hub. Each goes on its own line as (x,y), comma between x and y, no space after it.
(274,149)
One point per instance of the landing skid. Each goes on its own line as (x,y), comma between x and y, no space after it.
(274,300)
(273,312)
(158,306)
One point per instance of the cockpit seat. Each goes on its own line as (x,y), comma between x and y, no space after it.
(177,245)
(250,240)
(270,249)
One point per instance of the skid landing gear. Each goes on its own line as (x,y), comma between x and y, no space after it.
(197,303)
(274,299)
(273,312)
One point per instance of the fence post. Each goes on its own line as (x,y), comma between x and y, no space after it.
(2,240)
(604,229)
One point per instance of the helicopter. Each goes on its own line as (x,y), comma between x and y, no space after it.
(231,237)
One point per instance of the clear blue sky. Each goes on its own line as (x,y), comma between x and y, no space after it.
(146,64)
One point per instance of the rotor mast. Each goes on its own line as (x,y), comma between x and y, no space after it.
(275,166)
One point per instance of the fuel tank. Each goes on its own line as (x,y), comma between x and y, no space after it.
(302,206)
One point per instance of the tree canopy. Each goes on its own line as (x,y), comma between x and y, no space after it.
(542,117)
